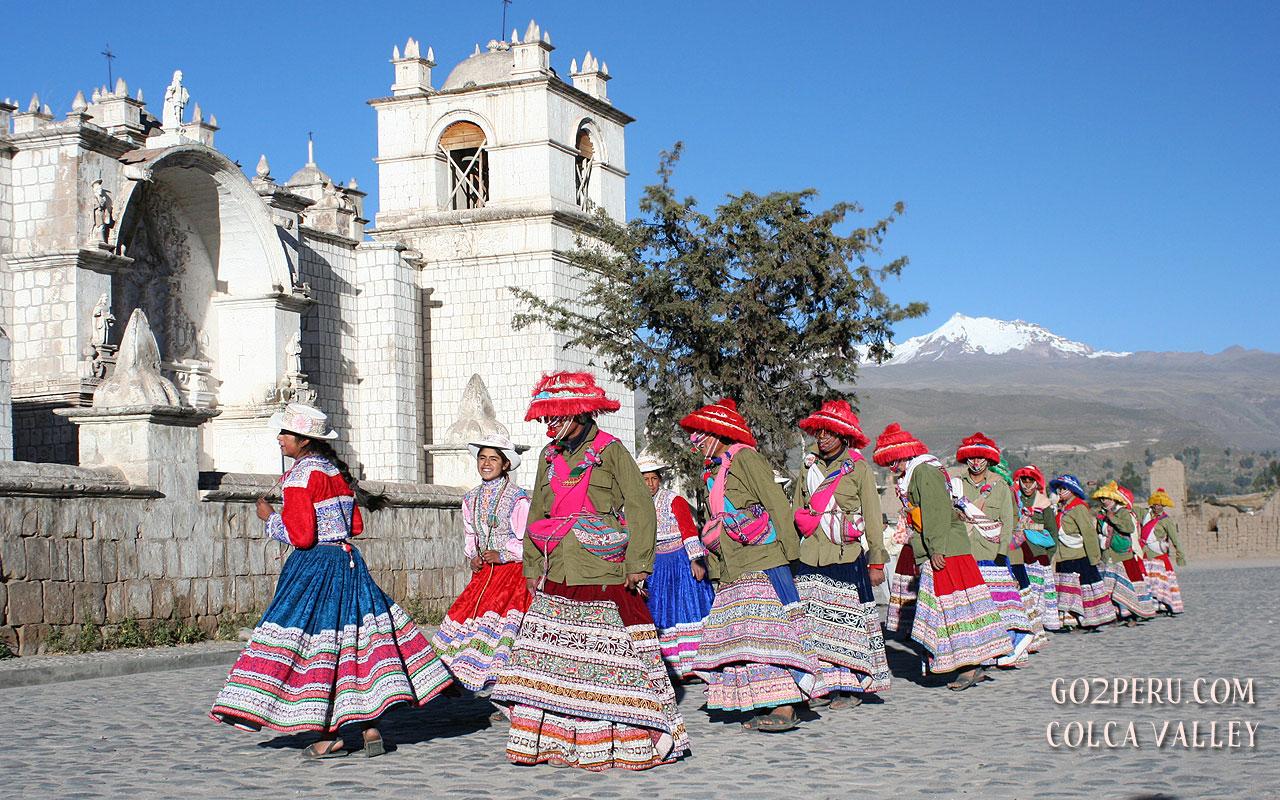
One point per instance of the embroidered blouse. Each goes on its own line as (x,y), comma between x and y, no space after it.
(318,506)
(676,528)
(493,518)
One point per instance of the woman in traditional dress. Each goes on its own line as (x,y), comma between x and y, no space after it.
(990,524)
(756,653)
(1083,599)
(842,555)
(477,633)
(1039,528)
(1159,538)
(586,683)
(956,620)
(679,593)
(332,648)
(1122,570)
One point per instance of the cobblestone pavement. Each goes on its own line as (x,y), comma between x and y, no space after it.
(147,736)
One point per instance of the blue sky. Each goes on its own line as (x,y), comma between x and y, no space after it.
(1109,170)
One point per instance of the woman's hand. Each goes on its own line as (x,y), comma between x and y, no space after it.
(939,561)
(532,585)
(491,557)
(698,570)
(877,575)
(476,563)
(264,509)
(635,582)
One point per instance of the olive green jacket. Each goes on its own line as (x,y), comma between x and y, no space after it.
(856,494)
(943,532)
(617,491)
(1079,521)
(1044,518)
(1122,521)
(750,482)
(1167,530)
(998,505)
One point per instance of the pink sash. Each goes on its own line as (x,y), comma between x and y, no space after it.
(808,520)
(743,526)
(1149,541)
(572,510)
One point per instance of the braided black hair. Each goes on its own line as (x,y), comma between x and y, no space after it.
(319,447)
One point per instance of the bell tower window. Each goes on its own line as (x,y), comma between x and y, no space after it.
(582,166)
(462,146)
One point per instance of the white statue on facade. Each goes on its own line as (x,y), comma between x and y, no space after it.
(175,101)
(103,215)
(103,319)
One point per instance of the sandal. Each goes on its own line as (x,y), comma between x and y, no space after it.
(777,724)
(374,747)
(820,702)
(314,753)
(846,701)
(973,679)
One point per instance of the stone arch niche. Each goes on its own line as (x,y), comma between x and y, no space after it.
(212,273)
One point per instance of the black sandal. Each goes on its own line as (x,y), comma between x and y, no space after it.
(777,724)
(960,684)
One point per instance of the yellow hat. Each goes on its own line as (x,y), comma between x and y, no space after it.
(1160,498)
(1111,490)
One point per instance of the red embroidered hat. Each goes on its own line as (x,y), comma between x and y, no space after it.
(896,443)
(979,445)
(566,394)
(1030,471)
(837,417)
(720,419)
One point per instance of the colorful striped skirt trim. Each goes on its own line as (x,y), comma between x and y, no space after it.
(331,649)
(1091,601)
(903,583)
(845,629)
(587,685)
(1045,590)
(476,636)
(1031,603)
(679,605)
(1006,594)
(1163,582)
(956,620)
(1130,595)
(757,651)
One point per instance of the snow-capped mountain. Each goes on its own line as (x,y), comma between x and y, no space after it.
(963,336)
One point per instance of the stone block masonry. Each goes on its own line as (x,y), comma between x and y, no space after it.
(80,545)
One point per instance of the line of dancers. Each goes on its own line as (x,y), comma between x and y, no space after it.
(596,589)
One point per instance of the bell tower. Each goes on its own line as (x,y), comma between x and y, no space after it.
(489,177)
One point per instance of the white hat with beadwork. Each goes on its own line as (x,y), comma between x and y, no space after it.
(497,442)
(303,420)
(648,462)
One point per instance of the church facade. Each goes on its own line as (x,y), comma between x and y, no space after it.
(261,290)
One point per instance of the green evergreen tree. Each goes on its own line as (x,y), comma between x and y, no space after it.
(768,299)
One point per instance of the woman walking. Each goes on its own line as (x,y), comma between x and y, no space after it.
(1039,528)
(332,648)
(679,593)
(1159,538)
(1122,570)
(842,555)
(477,633)
(756,653)
(1083,598)
(586,684)
(956,620)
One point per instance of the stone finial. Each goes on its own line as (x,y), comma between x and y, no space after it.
(34,106)
(264,169)
(532,33)
(138,97)
(592,77)
(136,380)
(412,72)
(395,52)
(515,36)
(476,52)
(197,116)
(122,88)
(78,105)
(532,53)
(476,416)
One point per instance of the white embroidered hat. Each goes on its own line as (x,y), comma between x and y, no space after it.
(647,462)
(498,442)
(303,420)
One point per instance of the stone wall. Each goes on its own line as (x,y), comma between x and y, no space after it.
(81,545)
(1211,531)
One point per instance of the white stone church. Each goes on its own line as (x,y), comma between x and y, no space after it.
(261,290)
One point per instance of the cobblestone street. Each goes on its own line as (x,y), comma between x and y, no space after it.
(147,736)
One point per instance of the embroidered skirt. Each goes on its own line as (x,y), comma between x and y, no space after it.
(1082,592)
(679,605)
(1031,603)
(1163,583)
(844,627)
(756,647)
(903,583)
(1127,584)
(1006,594)
(332,648)
(1045,591)
(477,633)
(956,619)
(587,685)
